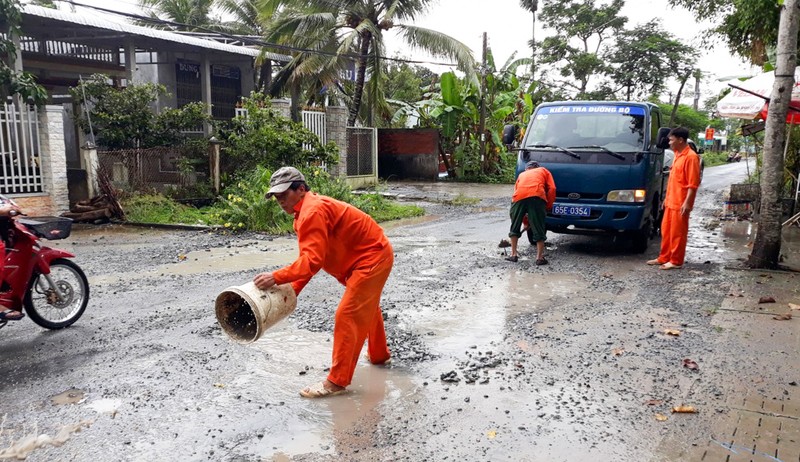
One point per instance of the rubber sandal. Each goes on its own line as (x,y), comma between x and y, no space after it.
(318,390)
(670,266)
(541,261)
(655,262)
(387,362)
(513,258)
(11,315)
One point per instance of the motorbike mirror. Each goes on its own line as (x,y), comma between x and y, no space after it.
(662,140)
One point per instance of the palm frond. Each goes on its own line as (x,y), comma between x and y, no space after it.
(440,45)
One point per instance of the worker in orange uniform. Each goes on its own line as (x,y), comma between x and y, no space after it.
(534,194)
(350,246)
(684,179)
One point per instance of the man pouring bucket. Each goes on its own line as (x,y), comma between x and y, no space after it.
(350,246)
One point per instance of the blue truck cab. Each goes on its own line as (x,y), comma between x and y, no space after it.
(607,162)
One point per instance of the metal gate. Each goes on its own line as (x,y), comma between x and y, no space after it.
(314,121)
(20,171)
(362,151)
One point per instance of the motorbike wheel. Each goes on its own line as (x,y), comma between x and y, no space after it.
(43,304)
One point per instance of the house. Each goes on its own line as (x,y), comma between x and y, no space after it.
(61,47)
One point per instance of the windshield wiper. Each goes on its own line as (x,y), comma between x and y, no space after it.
(552,146)
(595,146)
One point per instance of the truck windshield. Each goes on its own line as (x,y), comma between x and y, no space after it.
(616,129)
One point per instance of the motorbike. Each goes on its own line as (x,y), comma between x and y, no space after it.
(39,280)
(734,158)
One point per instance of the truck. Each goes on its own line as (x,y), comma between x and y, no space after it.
(607,160)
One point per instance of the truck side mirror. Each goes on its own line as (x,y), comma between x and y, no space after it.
(662,140)
(509,134)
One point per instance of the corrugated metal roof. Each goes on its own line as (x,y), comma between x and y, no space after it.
(104,22)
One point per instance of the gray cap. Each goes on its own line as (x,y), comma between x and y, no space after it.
(282,179)
(531,164)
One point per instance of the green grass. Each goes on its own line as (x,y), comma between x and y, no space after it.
(151,208)
(236,213)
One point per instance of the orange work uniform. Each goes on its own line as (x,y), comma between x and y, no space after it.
(684,175)
(350,246)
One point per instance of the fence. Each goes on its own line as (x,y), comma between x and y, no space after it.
(362,151)
(20,170)
(154,169)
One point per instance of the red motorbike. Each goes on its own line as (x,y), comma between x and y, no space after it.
(52,289)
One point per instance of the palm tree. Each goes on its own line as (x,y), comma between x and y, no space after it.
(244,17)
(336,32)
(195,14)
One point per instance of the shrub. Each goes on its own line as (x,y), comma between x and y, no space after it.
(263,138)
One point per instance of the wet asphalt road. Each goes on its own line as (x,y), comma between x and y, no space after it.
(492,360)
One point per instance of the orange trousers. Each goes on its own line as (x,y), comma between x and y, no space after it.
(359,318)
(674,234)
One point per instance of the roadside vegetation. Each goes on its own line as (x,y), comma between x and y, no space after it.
(253,146)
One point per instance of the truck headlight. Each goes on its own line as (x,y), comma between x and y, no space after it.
(627,195)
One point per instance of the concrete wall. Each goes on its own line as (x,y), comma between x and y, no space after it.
(53,164)
(408,153)
(336,132)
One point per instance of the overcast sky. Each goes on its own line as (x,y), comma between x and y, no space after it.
(508,27)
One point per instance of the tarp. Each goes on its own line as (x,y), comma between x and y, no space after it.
(748,99)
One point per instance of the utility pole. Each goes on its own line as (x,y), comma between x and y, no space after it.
(482,121)
(697,75)
(534,7)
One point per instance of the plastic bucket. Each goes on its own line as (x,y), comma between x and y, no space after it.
(245,312)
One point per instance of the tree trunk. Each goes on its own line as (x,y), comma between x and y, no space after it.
(361,72)
(678,97)
(451,171)
(767,248)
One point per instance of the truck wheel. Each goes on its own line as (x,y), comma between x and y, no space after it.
(641,239)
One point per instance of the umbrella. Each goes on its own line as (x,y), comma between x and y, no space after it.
(749,99)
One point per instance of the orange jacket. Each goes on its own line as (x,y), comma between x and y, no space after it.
(332,235)
(536,182)
(684,175)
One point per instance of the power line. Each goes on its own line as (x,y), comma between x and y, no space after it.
(248,39)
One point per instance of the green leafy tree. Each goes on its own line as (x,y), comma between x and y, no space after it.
(11,81)
(748,27)
(582,29)
(353,30)
(125,119)
(643,59)
(195,15)
(687,117)
(261,137)
(455,111)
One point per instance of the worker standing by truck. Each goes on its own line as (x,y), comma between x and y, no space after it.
(684,179)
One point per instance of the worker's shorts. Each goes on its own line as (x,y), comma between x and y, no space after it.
(536,210)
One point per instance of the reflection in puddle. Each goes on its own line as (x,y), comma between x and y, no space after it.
(296,358)
(483,318)
(394,224)
(71,396)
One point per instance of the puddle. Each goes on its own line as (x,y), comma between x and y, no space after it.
(294,359)
(484,317)
(71,396)
(216,260)
(394,224)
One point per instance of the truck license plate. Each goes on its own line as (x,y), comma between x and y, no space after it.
(572,210)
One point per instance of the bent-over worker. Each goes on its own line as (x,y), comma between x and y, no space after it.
(534,194)
(350,246)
